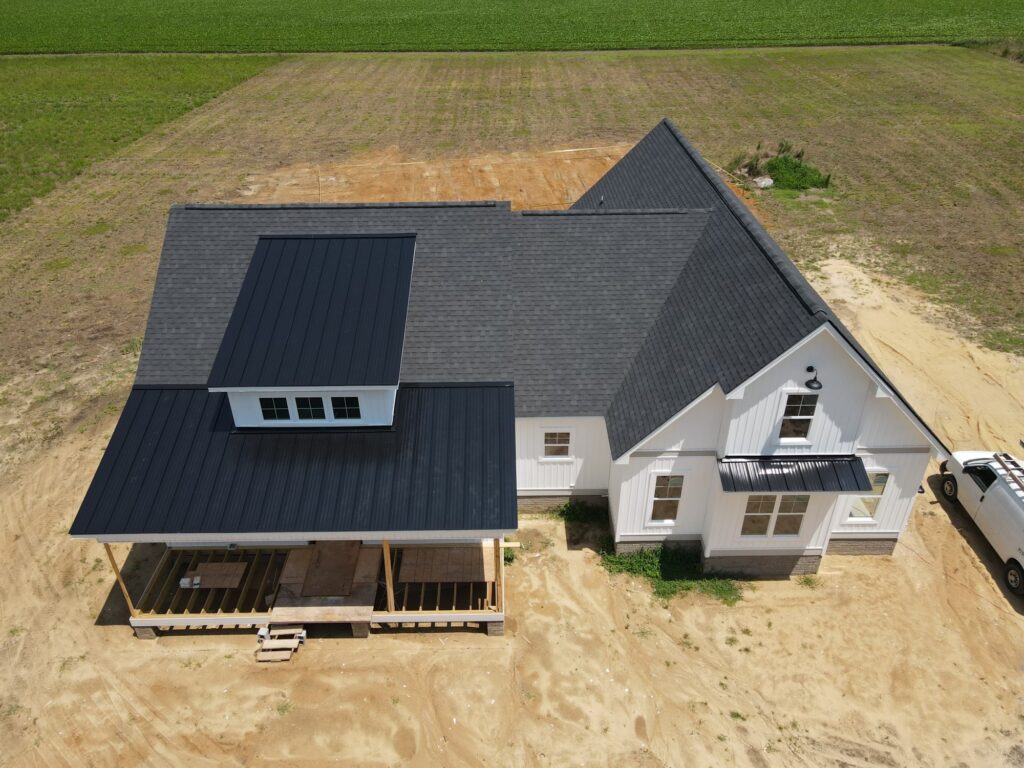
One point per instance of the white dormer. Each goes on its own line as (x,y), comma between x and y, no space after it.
(313,407)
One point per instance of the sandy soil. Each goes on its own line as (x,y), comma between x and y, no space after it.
(909,660)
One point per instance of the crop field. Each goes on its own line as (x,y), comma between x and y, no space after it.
(59,115)
(432,25)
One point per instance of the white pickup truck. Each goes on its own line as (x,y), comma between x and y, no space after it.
(990,486)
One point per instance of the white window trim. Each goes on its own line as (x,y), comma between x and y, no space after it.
(868,521)
(651,483)
(558,459)
(771,520)
(811,433)
(293,412)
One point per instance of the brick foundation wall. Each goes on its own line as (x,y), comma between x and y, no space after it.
(527,505)
(623,547)
(861,546)
(762,566)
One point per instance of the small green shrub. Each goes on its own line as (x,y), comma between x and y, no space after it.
(671,572)
(508,555)
(579,511)
(791,172)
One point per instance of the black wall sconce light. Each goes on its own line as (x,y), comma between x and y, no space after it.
(813,383)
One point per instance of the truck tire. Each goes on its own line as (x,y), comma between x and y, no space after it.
(949,487)
(1013,575)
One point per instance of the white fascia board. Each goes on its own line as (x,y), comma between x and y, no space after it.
(268,539)
(624,458)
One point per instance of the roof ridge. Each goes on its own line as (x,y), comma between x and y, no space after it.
(613,211)
(330,206)
(787,270)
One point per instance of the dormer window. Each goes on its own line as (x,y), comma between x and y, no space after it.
(274,408)
(345,407)
(797,417)
(310,408)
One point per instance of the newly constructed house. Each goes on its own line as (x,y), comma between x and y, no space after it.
(340,408)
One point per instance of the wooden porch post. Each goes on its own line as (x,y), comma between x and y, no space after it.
(387,576)
(499,568)
(120,581)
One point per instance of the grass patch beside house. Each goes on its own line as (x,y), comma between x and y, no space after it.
(671,572)
(73,26)
(59,115)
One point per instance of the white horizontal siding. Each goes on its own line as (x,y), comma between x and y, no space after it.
(585,470)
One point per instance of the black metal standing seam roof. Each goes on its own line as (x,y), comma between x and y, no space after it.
(794,474)
(177,465)
(319,311)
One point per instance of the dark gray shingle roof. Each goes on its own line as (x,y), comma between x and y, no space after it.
(176,465)
(558,303)
(737,304)
(319,311)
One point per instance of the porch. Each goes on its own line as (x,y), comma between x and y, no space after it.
(328,582)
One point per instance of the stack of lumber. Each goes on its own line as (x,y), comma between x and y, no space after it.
(278,643)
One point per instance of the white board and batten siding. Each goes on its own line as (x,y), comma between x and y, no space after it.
(583,471)
(853,415)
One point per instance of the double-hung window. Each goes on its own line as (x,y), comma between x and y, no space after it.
(771,515)
(865,507)
(797,417)
(668,491)
(310,408)
(556,445)
(274,408)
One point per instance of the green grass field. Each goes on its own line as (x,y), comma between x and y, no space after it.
(59,115)
(66,26)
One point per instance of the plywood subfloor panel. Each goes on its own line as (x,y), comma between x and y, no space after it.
(218,575)
(446,564)
(295,567)
(332,565)
(293,607)
(367,566)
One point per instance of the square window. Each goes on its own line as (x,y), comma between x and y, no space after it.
(758,515)
(556,444)
(797,416)
(345,407)
(274,408)
(309,408)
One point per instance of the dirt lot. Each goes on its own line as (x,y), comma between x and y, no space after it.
(909,660)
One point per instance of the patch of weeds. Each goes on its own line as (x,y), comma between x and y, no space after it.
(722,737)
(688,644)
(786,167)
(284,708)
(731,640)
(16,631)
(745,631)
(672,571)
(10,709)
(191,663)
(99,228)
(394,701)
(737,715)
(68,662)
(58,265)
(809,580)
(643,632)
(132,347)
(132,249)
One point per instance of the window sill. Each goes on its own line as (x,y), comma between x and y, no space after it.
(860,521)
(557,459)
(660,523)
(786,441)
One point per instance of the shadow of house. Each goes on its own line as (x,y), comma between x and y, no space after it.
(960,520)
(135,570)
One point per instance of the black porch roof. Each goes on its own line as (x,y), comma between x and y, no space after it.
(176,465)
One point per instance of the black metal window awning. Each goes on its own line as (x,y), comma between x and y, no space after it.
(793,474)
